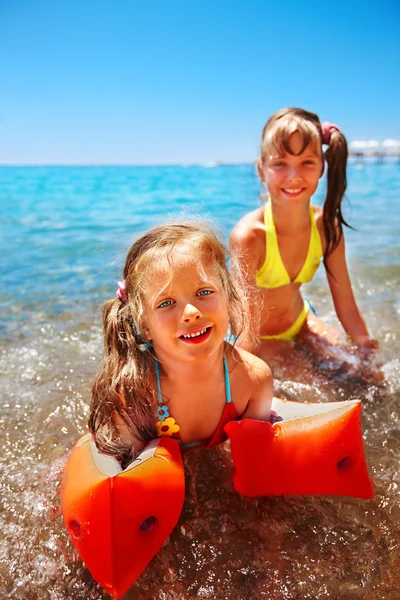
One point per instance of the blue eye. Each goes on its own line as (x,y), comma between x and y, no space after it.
(165,303)
(204,292)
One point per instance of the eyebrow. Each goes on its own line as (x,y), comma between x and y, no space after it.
(303,156)
(163,295)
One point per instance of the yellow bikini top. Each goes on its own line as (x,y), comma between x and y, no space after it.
(273,273)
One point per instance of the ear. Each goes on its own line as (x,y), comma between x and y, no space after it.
(322,166)
(260,170)
(146,331)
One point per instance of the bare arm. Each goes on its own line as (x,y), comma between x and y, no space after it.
(343,298)
(259,406)
(128,440)
(243,245)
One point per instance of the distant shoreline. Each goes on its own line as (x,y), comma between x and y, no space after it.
(354,158)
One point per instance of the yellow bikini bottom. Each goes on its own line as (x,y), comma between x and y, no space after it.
(293,330)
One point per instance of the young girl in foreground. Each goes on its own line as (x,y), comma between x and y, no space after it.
(280,244)
(168,369)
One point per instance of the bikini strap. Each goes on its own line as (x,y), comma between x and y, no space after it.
(159,394)
(227,382)
(226,376)
(163,410)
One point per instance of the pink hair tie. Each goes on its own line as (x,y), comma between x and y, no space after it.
(121,292)
(327,130)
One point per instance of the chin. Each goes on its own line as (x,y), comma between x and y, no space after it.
(201,353)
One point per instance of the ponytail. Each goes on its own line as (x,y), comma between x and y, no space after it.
(333,221)
(122,387)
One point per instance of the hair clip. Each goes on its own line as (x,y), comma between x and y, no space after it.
(327,129)
(144,347)
(230,338)
(121,292)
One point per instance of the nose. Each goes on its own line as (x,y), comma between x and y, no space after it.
(293,173)
(190,313)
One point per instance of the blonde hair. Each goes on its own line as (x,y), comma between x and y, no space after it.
(275,138)
(124,384)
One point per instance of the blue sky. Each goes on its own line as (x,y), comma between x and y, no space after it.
(171,81)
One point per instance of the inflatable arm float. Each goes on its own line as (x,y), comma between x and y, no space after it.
(315,449)
(118,520)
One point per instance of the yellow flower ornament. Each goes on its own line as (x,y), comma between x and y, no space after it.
(167,427)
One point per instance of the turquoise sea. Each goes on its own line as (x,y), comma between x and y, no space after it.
(64,234)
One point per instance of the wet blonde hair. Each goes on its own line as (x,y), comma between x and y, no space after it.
(275,139)
(124,385)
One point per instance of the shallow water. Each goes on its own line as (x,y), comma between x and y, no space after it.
(64,233)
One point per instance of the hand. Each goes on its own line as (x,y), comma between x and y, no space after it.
(274,417)
(365,343)
(371,369)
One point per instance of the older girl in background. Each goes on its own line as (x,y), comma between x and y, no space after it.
(280,245)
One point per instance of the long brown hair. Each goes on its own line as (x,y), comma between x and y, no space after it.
(124,385)
(275,137)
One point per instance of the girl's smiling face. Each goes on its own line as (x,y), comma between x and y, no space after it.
(186,311)
(292,177)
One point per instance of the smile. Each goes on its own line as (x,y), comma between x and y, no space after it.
(196,337)
(293,190)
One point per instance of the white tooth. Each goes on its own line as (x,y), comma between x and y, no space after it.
(192,335)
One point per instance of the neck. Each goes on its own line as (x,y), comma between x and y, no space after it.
(290,218)
(191,371)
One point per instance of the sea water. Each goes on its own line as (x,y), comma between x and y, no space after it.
(64,235)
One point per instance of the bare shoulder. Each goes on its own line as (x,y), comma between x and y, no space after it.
(252,385)
(318,212)
(247,229)
(252,368)
(247,240)
(318,216)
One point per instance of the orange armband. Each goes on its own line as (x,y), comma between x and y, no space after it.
(315,449)
(117,520)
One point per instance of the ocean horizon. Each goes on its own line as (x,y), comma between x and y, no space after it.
(370,158)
